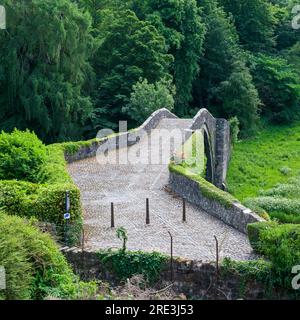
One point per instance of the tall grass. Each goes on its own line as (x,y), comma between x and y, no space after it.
(265,172)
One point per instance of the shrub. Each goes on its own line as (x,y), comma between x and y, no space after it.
(289,190)
(44,202)
(21,155)
(35,268)
(254,270)
(285,171)
(234,129)
(271,204)
(126,264)
(281,245)
(254,231)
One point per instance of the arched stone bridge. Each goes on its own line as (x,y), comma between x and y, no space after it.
(128,186)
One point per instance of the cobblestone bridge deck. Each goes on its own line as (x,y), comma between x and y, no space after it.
(128,186)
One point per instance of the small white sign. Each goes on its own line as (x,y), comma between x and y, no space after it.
(67,216)
(2,18)
(2,278)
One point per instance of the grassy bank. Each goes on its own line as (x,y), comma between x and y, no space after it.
(264,172)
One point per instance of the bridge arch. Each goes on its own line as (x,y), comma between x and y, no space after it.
(217,145)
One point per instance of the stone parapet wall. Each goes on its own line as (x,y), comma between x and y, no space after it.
(122,139)
(236,215)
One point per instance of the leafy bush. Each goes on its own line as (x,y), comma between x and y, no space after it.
(254,270)
(290,190)
(126,264)
(281,245)
(35,268)
(44,202)
(147,98)
(285,171)
(254,231)
(21,155)
(234,129)
(271,204)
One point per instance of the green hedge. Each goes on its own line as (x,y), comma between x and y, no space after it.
(280,244)
(43,201)
(35,268)
(70,148)
(54,169)
(254,230)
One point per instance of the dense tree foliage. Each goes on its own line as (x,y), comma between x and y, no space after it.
(43,68)
(129,49)
(148,97)
(255,21)
(224,84)
(71,67)
(279,87)
(180,23)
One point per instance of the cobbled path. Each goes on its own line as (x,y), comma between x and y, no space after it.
(128,186)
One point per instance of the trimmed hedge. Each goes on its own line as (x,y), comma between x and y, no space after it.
(45,199)
(35,268)
(254,230)
(54,169)
(45,202)
(280,244)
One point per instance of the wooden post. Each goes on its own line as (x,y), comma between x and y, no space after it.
(147,212)
(184,210)
(112,210)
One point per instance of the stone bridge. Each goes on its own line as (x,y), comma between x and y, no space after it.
(128,186)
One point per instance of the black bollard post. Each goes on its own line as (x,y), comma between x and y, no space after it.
(147,212)
(184,210)
(112,210)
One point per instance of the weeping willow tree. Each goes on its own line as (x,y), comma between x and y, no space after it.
(44,68)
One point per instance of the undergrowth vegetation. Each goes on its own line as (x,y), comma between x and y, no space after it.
(280,246)
(35,268)
(126,264)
